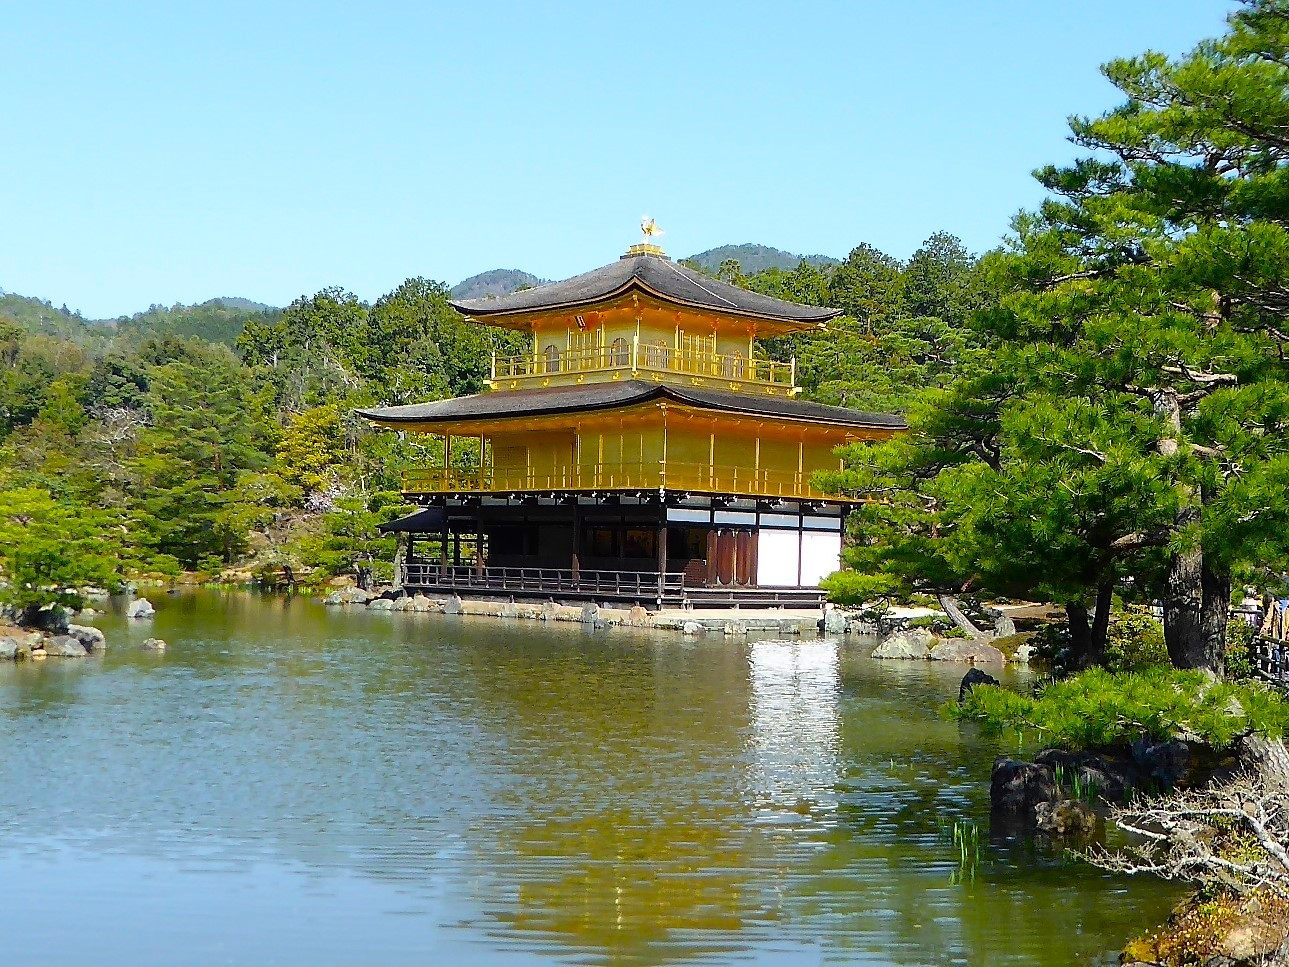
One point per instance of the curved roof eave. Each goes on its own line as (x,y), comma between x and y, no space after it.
(556,401)
(824,315)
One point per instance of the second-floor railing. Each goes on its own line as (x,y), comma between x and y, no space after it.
(749,481)
(644,357)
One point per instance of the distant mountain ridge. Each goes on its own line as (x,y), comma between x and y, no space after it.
(753,258)
(750,256)
(493,283)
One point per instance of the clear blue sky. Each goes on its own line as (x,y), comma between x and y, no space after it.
(174,152)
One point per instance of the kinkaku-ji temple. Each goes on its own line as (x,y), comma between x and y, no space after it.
(641,452)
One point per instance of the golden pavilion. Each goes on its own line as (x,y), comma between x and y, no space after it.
(641,451)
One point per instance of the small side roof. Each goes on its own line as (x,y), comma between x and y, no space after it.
(554,400)
(417,522)
(656,275)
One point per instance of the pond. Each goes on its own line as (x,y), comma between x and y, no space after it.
(291,784)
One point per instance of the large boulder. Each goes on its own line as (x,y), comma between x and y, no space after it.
(380,604)
(140,608)
(966,649)
(453,605)
(1165,764)
(95,641)
(1016,787)
(834,621)
(64,646)
(9,648)
(914,643)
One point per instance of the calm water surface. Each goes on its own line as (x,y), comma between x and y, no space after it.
(290,784)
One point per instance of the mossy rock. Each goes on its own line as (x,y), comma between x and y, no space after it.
(1008,644)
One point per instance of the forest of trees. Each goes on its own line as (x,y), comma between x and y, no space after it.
(1097,407)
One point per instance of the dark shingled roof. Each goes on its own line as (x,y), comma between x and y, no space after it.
(417,522)
(600,396)
(653,274)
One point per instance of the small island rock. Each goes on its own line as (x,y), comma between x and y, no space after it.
(9,648)
(380,604)
(93,639)
(153,644)
(140,608)
(914,643)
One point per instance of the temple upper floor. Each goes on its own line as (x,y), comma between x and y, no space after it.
(645,317)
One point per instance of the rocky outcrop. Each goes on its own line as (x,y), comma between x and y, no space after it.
(52,618)
(154,644)
(347,596)
(380,604)
(140,608)
(10,647)
(915,643)
(966,649)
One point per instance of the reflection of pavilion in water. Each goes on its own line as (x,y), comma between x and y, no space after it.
(795,722)
(653,844)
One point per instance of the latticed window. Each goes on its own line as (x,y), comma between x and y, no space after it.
(657,354)
(697,353)
(619,355)
(551,355)
(732,365)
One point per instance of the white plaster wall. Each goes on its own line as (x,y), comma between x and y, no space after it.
(776,558)
(820,556)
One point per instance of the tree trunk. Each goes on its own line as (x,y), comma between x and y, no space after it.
(1183,597)
(1080,633)
(1184,608)
(950,606)
(1216,611)
(1101,623)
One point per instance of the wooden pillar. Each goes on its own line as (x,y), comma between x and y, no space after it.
(443,546)
(753,556)
(577,540)
(713,552)
(478,533)
(662,553)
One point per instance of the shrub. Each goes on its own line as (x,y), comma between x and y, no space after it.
(1134,642)
(1239,651)
(1098,708)
(851,587)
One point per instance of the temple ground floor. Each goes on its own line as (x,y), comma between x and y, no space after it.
(654,549)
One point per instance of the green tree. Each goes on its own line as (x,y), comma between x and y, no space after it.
(208,428)
(48,548)
(1140,347)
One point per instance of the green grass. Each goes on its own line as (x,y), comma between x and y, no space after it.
(1097,708)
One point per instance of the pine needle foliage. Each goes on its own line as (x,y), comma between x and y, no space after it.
(1098,708)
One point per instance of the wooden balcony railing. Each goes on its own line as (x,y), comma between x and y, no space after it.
(532,580)
(648,359)
(698,477)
